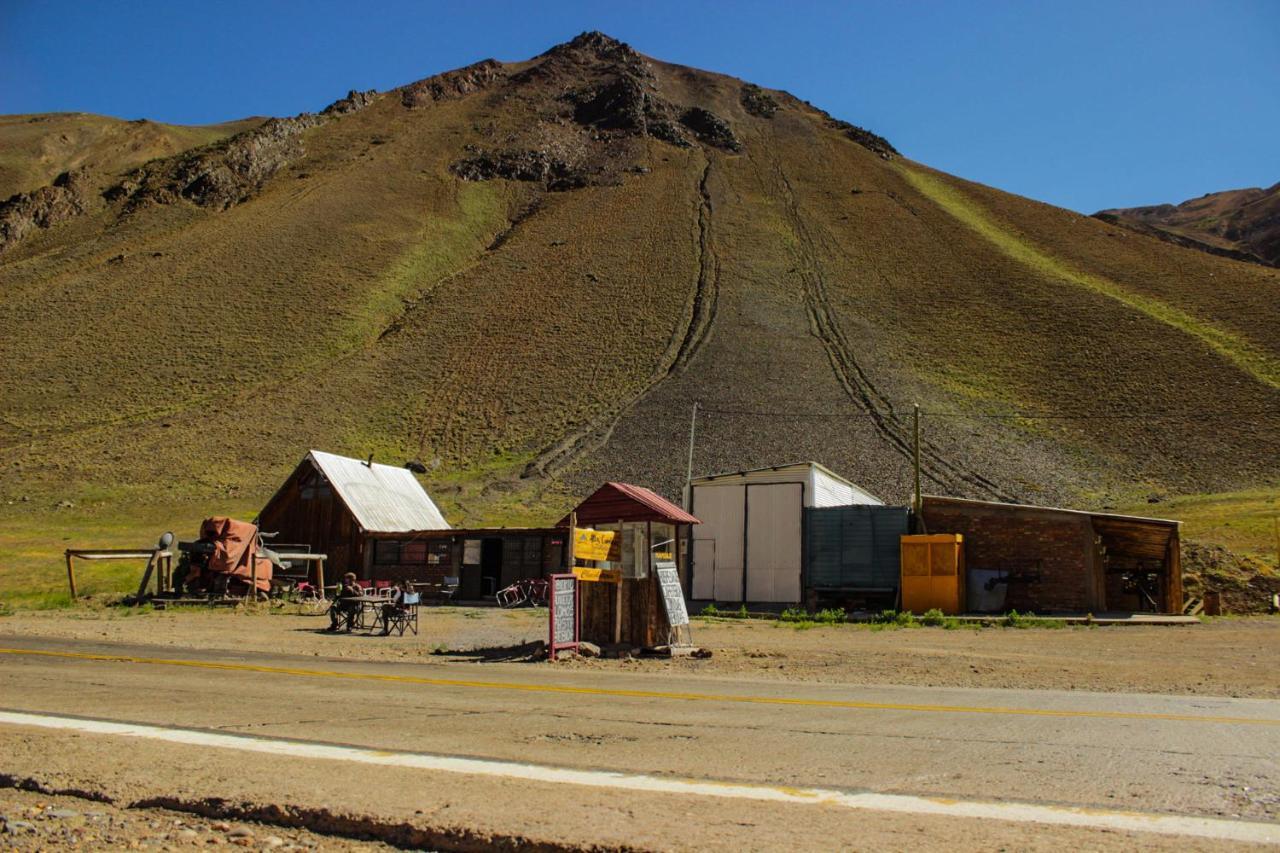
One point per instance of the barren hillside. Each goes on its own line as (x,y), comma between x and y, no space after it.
(524,275)
(1243,224)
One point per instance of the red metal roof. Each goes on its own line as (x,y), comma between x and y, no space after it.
(625,502)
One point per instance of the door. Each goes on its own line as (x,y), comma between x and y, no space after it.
(717,555)
(704,554)
(490,566)
(774,529)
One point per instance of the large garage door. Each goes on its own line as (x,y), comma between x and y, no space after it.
(774,514)
(717,543)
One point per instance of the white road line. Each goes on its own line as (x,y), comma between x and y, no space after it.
(1228,830)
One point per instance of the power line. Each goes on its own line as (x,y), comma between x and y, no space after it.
(1131,414)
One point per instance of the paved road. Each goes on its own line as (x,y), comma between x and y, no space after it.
(1178,756)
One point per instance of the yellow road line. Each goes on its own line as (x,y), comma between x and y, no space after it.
(643,694)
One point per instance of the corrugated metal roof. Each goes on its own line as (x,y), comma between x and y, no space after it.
(623,501)
(825,487)
(383,498)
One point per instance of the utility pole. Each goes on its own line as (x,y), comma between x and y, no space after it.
(688,474)
(917,503)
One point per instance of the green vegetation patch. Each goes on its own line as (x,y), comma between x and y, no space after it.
(33,571)
(1243,522)
(1230,345)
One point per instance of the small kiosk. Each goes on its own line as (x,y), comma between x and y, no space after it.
(634,542)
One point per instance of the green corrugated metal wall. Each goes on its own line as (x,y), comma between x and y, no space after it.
(853,547)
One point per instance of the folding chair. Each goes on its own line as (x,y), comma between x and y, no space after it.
(406,616)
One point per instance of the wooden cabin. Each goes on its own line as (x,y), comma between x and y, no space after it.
(368,517)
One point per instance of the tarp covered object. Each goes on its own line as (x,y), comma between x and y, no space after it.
(235,543)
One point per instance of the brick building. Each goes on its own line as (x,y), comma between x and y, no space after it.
(1065,561)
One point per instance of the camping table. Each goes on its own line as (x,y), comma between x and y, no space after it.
(373,604)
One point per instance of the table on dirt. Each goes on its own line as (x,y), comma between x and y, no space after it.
(373,604)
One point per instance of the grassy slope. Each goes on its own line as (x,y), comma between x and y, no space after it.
(1234,347)
(363,304)
(34,149)
(33,538)
(1243,522)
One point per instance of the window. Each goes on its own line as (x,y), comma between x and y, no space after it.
(386,552)
(414,553)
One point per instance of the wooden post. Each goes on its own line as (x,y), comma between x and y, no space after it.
(253,565)
(71,577)
(573,530)
(688,474)
(152,562)
(617,593)
(320,578)
(917,503)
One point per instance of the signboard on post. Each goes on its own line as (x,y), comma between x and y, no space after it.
(597,575)
(564,614)
(673,601)
(596,545)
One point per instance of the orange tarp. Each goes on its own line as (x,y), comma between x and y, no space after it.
(235,544)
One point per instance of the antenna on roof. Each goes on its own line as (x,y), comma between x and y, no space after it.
(369,463)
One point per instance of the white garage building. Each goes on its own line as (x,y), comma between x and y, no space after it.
(750,545)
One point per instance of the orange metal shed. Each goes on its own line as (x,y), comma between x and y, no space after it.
(933,573)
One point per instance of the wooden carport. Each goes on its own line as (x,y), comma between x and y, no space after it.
(1064,560)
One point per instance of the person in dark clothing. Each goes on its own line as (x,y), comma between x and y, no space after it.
(396,605)
(346,604)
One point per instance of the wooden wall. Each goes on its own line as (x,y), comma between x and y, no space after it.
(307,510)
(644,621)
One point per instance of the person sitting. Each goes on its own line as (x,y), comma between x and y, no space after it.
(346,604)
(397,605)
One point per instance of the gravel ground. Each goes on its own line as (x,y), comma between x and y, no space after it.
(34,821)
(1223,657)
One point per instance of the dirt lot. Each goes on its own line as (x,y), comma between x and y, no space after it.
(1225,657)
(35,821)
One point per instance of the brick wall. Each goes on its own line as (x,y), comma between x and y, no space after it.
(1007,537)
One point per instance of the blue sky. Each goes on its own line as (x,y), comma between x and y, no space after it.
(1079,103)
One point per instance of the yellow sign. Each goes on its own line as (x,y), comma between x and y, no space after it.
(597,575)
(596,545)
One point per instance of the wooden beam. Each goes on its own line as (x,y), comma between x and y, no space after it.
(617,595)
(146,575)
(71,576)
(115,553)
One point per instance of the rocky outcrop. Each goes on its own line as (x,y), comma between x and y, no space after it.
(710,128)
(452,84)
(232,171)
(66,197)
(628,103)
(352,103)
(757,101)
(553,172)
(868,140)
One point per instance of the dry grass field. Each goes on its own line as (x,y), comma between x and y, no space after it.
(548,321)
(35,148)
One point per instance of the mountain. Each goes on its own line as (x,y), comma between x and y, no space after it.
(35,149)
(1241,224)
(524,275)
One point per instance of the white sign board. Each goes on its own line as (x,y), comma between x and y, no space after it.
(672,592)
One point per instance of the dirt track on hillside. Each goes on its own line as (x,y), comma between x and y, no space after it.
(1227,657)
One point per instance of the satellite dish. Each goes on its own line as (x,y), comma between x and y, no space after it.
(165,541)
